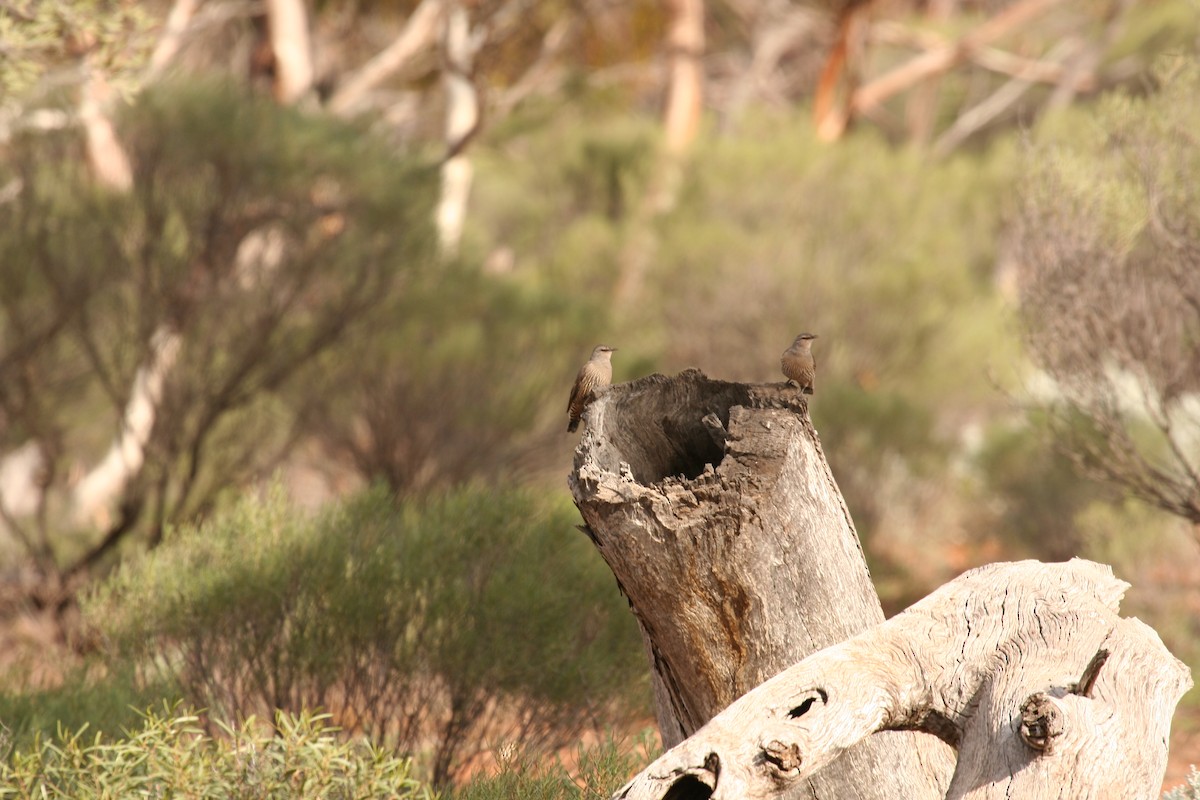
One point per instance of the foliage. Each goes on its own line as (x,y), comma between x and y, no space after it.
(1034,490)
(872,436)
(1187,791)
(42,35)
(599,770)
(169,756)
(563,217)
(774,232)
(105,700)
(471,618)
(467,377)
(888,257)
(780,234)
(1109,231)
(1159,555)
(254,240)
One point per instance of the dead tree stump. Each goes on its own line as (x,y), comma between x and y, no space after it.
(715,508)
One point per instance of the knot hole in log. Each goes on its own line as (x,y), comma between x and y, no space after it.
(664,427)
(689,787)
(694,787)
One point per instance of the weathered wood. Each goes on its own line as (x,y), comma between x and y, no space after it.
(1002,662)
(715,508)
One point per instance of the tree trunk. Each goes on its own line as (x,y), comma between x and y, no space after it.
(714,507)
(108,159)
(681,122)
(1025,668)
(685,84)
(288,24)
(96,491)
(171,38)
(420,32)
(462,121)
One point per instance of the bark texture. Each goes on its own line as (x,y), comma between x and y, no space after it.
(715,508)
(1026,668)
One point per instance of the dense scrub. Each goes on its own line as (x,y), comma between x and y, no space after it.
(592,772)
(1187,791)
(167,755)
(442,627)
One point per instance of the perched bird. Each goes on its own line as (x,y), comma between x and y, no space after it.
(597,372)
(797,363)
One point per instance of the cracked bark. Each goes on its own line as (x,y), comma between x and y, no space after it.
(715,508)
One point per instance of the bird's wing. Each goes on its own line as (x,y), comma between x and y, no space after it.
(583,385)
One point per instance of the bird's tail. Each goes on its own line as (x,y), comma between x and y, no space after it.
(572,425)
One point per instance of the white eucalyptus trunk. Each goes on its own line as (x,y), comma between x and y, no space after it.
(462,116)
(291,44)
(95,492)
(419,33)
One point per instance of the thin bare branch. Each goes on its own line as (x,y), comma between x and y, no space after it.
(171,39)
(419,32)
(943,58)
(978,116)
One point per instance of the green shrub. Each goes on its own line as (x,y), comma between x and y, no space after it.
(106,703)
(475,618)
(1186,791)
(1108,232)
(599,770)
(169,756)
(463,376)
(887,256)
(1036,491)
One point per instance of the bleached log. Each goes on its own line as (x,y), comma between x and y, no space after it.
(1025,668)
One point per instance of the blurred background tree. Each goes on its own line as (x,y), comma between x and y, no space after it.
(251,242)
(1111,301)
(370,243)
(46,42)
